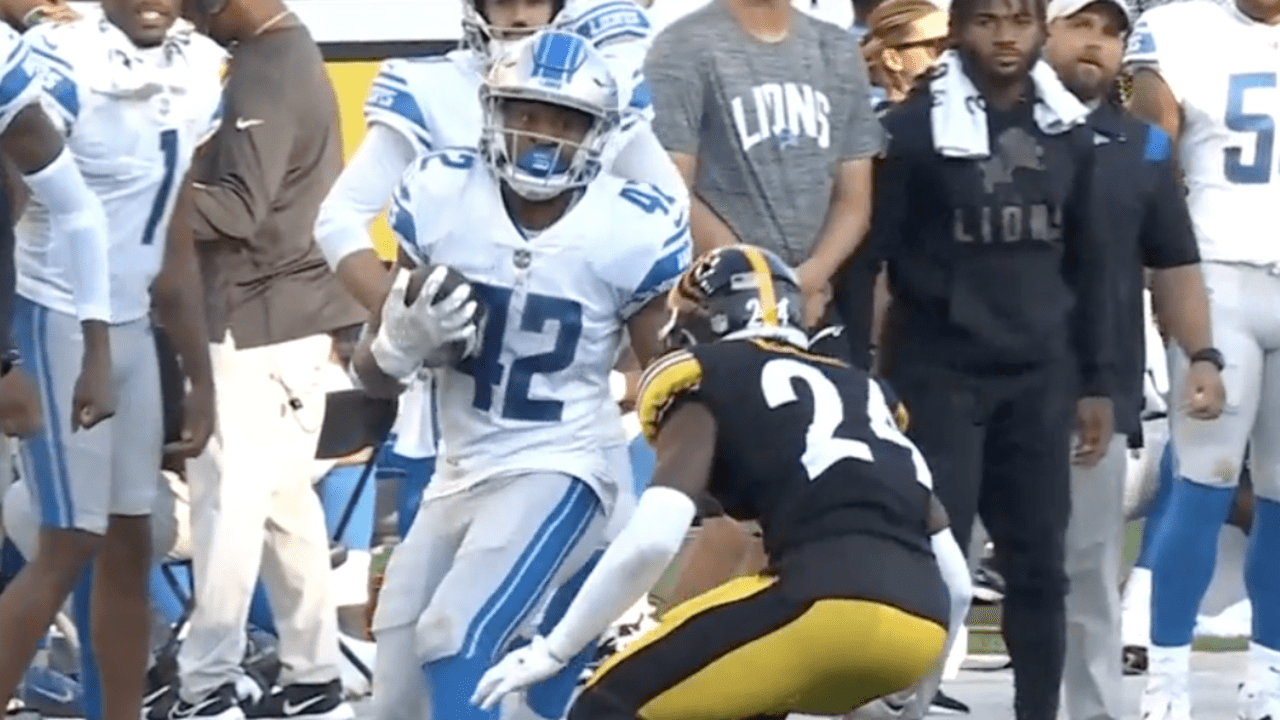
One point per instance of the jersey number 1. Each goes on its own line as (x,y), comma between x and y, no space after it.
(1261,125)
(169,149)
(822,448)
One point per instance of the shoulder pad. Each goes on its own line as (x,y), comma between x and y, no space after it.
(670,377)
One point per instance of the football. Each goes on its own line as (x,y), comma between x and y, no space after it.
(418,278)
(452,281)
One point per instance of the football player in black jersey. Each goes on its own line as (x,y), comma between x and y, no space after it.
(852,606)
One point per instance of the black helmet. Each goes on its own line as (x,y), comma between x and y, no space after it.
(732,292)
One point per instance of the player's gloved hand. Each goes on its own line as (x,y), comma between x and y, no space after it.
(418,333)
(519,669)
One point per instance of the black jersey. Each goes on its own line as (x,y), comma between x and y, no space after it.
(805,444)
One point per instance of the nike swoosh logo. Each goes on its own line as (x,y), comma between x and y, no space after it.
(155,694)
(178,711)
(291,709)
(62,698)
(242,124)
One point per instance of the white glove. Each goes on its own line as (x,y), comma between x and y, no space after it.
(519,669)
(419,333)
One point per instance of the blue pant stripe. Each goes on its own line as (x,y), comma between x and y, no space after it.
(533,571)
(55,424)
(42,452)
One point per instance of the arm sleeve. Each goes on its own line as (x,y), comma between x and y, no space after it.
(1167,236)
(391,103)
(361,192)
(676,86)
(630,567)
(76,214)
(244,165)
(1086,267)
(670,379)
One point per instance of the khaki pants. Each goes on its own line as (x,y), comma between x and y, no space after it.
(254,512)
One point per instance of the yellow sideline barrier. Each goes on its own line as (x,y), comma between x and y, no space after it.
(351,80)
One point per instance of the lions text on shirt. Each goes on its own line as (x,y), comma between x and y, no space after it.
(1228,150)
(132,119)
(556,304)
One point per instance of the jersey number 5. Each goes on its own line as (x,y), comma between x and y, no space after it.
(1261,125)
(486,366)
(822,448)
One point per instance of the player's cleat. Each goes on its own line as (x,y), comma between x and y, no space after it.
(944,704)
(50,694)
(160,691)
(321,701)
(1134,660)
(221,704)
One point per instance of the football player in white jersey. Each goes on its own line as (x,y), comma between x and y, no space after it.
(134,95)
(420,104)
(37,151)
(564,260)
(1224,115)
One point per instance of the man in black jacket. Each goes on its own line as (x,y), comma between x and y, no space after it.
(1136,193)
(999,323)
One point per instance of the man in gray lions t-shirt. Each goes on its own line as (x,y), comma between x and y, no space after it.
(766,116)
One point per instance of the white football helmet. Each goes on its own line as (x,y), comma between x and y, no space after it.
(556,68)
(489,41)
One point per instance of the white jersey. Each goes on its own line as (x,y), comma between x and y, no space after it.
(19,76)
(132,119)
(434,101)
(1221,66)
(556,305)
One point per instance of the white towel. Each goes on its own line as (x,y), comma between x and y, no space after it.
(959,118)
(129,72)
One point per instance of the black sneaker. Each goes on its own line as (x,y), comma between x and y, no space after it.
(1134,660)
(221,704)
(160,691)
(322,701)
(944,704)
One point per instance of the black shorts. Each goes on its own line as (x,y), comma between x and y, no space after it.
(771,645)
